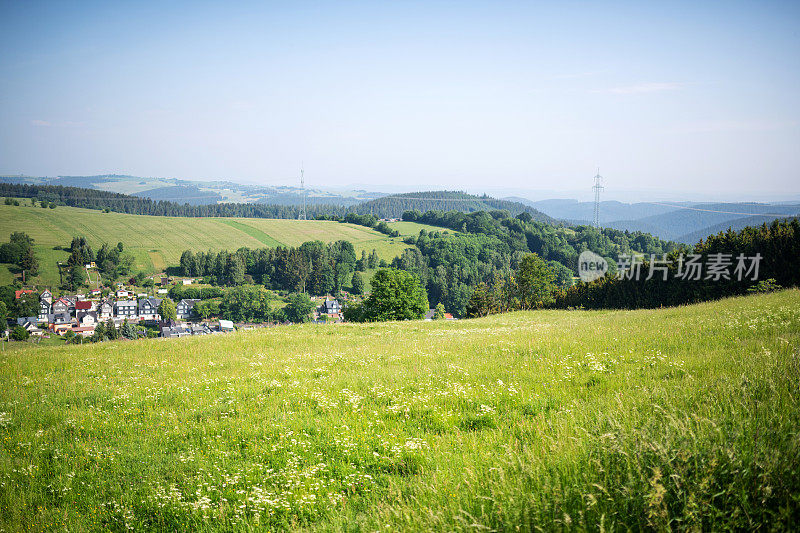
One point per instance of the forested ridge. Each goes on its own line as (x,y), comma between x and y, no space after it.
(395,205)
(385,207)
(123,203)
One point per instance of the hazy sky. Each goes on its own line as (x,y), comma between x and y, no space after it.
(695,97)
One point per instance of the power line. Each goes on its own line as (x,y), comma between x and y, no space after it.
(722,212)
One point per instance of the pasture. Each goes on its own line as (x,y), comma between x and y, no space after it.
(683,418)
(157,242)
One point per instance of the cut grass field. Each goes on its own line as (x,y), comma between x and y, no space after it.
(156,242)
(684,418)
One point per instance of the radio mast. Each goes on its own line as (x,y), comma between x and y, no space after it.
(597,188)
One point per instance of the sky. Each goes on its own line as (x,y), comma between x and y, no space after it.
(669,99)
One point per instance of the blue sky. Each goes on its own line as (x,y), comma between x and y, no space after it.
(673,98)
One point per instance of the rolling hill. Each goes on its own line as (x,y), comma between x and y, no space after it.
(394,205)
(157,242)
(680,418)
(685,222)
(701,220)
(200,192)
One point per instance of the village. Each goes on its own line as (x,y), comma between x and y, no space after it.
(80,314)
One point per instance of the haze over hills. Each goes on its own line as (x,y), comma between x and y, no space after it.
(200,192)
(685,222)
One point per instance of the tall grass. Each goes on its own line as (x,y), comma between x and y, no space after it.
(681,418)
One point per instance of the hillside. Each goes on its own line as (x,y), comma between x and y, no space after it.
(393,206)
(685,222)
(701,219)
(157,242)
(583,212)
(200,192)
(736,224)
(675,418)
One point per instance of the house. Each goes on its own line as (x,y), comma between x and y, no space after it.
(431,312)
(185,308)
(31,325)
(62,305)
(82,307)
(83,331)
(175,331)
(46,296)
(60,329)
(163,291)
(331,308)
(201,329)
(122,293)
(44,310)
(226,325)
(59,319)
(164,280)
(89,319)
(148,309)
(95,293)
(187,281)
(105,309)
(18,294)
(127,309)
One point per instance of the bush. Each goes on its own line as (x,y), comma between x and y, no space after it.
(19,333)
(396,295)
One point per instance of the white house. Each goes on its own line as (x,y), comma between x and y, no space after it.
(185,308)
(127,309)
(148,309)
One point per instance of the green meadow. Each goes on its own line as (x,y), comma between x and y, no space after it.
(157,242)
(681,418)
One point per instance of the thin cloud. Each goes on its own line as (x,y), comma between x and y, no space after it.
(40,123)
(644,88)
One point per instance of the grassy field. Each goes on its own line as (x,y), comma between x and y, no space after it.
(412,228)
(682,418)
(157,242)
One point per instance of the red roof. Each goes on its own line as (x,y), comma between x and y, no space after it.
(19,293)
(83,305)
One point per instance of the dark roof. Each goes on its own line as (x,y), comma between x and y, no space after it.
(154,302)
(331,305)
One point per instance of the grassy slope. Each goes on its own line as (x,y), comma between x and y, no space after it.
(157,242)
(412,228)
(678,418)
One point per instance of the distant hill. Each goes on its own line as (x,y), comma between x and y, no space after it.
(583,212)
(685,222)
(201,192)
(700,220)
(736,225)
(395,205)
(182,194)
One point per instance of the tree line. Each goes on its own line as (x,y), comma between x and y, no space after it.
(313,267)
(777,244)
(123,203)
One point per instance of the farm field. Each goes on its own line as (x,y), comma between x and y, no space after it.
(681,418)
(157,242)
